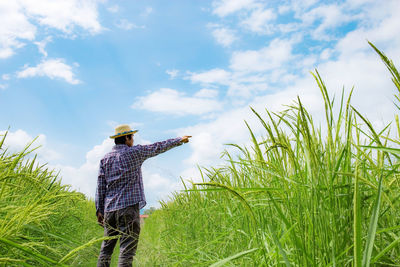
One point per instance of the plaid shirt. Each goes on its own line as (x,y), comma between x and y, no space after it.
(120,182)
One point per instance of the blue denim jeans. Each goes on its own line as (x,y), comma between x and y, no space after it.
(124,222)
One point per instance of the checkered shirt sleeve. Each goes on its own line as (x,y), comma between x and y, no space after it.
(120,182)
(100,191)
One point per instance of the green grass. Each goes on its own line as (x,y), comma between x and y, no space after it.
(301,195)
(42,221)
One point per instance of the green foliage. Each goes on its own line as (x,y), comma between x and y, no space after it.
(298,196)
(42,221)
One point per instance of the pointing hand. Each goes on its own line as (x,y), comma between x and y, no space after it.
(185,139)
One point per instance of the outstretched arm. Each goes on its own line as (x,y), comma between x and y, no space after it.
(148,151)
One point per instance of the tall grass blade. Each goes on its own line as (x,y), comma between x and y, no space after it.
(28,251)
(372,228)
(389,65)
(88,244)
(236,194)
(236,256)
(357,220)
(385,250)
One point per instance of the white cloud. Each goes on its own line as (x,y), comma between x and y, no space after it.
(15,27)
(170,101)
(298,6)
(18,140)
(224,36)
(331,16)
(5,77)
(326,54)
(157,186)
(274,56)
(220,76)
(379,27)
(225,7)
(42,45)
(207,93)
(283,9)
(172,73)
(113,9)
(3,86)
(241,92)
(84,177)
(64,15)
(20,19)
(52,68)
(240,84)
(126,25)
(259,21)
(288,27)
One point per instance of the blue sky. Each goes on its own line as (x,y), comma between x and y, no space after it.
(71,70)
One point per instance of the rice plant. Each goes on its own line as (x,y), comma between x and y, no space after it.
(301,195)
(42,223)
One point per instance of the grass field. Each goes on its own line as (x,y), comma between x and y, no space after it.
(301,195)
(42,223)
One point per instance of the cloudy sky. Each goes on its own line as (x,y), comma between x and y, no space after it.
(70,70)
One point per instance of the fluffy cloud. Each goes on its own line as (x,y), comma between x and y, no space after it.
(52,68)
(248,71)
(220,76)
(273,56)
(172,73)
(126,25)
(224,36)
(157,186)
(170,101)
(259,20)
(18,140)
(42,45)
(20,19)
(331,16)
(84,177)
(113,9)
(225,7)
(15,27)
(207,93)
(63,15)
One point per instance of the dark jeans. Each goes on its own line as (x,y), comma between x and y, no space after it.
(124,222)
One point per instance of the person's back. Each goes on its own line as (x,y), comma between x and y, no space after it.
(120,192)
(121,173)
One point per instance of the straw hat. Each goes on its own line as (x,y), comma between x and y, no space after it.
(122,130)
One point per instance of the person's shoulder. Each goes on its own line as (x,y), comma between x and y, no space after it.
(108,155)
(134,148)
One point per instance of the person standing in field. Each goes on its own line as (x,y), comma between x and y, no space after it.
(120,195)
